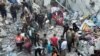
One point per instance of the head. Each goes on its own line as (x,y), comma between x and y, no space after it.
(45,35)
(71,29)
(54,35)
(74,24)
(66,24)
(66,10)
(62,39)
(23,0)
(55,53)
(18,34)
(62,36)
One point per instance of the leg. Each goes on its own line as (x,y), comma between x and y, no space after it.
(63,33)
(20,46)
(3,16)
(36,52)
(39,51)
(69,47)
(12,14)
(29,50)
(15,16)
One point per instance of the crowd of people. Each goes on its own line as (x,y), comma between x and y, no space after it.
(54,45)
(29,39)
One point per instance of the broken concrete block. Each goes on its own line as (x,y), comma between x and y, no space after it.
(1,24)
(2,33)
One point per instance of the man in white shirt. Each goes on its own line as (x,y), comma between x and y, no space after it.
(63,48)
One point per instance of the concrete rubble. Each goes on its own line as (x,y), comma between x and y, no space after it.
(9,30)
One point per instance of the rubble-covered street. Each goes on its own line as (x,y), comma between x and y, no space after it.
(49,28)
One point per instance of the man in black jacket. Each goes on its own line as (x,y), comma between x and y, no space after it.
(13,11)
(40,20)
(66,27)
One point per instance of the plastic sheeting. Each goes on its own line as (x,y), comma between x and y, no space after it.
(89,23)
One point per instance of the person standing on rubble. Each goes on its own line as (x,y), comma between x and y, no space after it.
(40,20)
(49,16)
(28,19)
(54,41)
(3,10)
(69,39)
(60,42)
(24,4)
(36,38)
(63,47)
(38,48)
(75,27)
(27,4)
(24,28)
(13,11)
(66,27)
(19,41)
(31,33)
(44,43)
